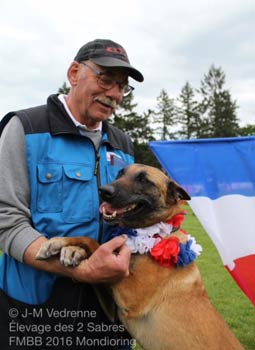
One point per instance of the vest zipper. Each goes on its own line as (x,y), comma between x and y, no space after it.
(97,174)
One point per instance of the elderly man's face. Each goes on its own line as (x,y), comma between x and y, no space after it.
(89,102)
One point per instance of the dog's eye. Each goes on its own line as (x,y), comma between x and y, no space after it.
(141,177)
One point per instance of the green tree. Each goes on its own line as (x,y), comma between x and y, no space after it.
(188,113)
(164,118)
(247,130)
(137,127)
(64,89)
(128,120)
(124,115)
(217,108)
(144,155)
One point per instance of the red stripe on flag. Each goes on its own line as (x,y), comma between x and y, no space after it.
(244,275)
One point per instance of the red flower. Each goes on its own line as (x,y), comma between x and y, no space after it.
(166,252)
(176,220)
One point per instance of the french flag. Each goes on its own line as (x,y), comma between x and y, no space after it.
(219,175)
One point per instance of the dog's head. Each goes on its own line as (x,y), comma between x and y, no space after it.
(140,196)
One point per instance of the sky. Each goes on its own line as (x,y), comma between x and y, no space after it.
(170,42)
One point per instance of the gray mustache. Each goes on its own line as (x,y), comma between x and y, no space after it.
(106,101)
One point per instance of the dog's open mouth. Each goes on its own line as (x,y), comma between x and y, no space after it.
(112,214)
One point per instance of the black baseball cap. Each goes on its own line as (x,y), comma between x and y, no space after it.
(107,53)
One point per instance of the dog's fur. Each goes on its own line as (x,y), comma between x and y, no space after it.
(162,308)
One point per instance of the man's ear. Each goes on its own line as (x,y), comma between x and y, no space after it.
(176,192)
(72,73)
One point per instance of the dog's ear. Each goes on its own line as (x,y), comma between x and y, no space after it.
(176,192)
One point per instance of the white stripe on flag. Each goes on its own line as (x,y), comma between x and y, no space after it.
(230,222)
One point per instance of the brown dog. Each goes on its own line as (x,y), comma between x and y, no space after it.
(162,308)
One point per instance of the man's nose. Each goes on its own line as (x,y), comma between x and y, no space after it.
(116,93)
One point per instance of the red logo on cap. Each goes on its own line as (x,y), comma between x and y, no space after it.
(116,50)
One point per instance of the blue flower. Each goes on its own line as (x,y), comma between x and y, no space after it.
(186,255)
(117,231)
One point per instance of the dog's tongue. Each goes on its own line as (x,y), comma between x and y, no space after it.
(106,208)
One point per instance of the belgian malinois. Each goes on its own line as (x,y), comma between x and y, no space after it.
(163,308)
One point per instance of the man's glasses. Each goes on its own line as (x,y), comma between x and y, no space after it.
(106,82)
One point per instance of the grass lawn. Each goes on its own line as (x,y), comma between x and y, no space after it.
(224,293)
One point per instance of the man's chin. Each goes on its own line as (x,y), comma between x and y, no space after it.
(94,120)
(103,114)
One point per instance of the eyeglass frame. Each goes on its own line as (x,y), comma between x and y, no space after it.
(120,84)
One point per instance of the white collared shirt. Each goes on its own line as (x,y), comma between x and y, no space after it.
(79,125)
(95,135)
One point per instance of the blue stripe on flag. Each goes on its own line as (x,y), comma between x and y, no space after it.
(210,167)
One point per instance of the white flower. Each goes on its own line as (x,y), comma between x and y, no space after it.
(144,241)
(141,244)
(162,228)
(197,248)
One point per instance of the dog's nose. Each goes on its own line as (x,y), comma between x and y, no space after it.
(107,192)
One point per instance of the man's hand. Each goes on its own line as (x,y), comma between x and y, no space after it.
(109,263)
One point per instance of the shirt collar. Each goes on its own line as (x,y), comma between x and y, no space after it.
(62,99)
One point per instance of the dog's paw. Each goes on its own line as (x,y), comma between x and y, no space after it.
(72,255)
(51,248)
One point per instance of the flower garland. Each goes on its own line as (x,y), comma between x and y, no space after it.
(167,251)
(171,252)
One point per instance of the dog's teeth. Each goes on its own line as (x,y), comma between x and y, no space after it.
(114,214)
(131,207)
(109,216)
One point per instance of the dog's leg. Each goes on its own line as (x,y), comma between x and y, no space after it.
(72,250)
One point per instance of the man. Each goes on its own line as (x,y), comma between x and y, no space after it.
(53,158)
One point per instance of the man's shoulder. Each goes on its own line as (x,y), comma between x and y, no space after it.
(27,116)
(34,119)
(116,130)
(119,139)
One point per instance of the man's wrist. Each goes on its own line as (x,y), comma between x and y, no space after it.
(82,272)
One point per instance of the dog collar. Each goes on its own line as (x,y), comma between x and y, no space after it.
(157,241)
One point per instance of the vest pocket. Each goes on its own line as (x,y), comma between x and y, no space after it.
(50,194)
(79,193)
(67,189)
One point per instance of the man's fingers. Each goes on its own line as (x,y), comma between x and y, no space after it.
(124,251)
(110,262)
(116,243)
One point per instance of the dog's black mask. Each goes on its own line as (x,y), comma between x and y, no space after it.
(139,197)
